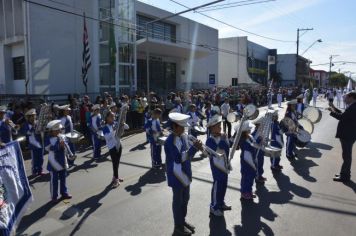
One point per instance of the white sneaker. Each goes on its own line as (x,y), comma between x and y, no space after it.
(216,212)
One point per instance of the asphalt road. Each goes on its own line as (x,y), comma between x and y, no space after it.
(302,200)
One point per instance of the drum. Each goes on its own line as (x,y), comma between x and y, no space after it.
(272,152)
(287,125)
(313,114)
(161,140)
(200,130)
(74,136)
(100,135)
(251,111)
(303,138)
(232,117)
(307,125)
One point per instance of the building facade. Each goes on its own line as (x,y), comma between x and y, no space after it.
(244,62)
(41,48)
(290,73)
(320,76)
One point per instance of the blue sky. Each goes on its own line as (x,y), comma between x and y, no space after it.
(334,21)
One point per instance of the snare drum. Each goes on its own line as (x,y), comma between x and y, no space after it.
(307,125)
(303,138)
(74,136)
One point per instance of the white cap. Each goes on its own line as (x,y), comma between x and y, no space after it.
(179,119)
(301,96)
(64,107)
(177,99)
(112,105)
(246,126)
(216,109)
(292,102)
(3,108)
(55,125)
(30,112)
(95,107)
(214,120)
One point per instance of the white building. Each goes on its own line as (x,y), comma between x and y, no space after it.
(243,62)
(44,46)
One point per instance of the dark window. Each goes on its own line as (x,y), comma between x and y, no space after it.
(157,30)
(19,68)
(234,81)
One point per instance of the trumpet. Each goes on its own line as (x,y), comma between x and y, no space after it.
(220,159)
(67,151)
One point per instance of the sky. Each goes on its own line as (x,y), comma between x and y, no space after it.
(333,21)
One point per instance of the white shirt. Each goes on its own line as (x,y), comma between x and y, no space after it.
(225,108)
(279,97)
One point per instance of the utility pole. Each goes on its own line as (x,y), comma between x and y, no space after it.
(330,65)
(296,63)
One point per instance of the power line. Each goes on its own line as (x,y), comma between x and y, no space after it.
(212,48)
(232,26)
(235,5)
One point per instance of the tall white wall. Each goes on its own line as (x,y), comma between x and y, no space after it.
(234,63)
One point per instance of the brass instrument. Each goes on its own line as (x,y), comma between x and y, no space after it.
(44,117)
(121,124)
(248,113)
(220,160)
(67,151)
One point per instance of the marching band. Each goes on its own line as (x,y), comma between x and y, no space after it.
(257,139)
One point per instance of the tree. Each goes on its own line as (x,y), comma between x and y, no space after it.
(338,80)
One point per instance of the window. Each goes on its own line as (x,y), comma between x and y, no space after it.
(105,76)
(104,31)
(19,68)
(104,53)
(234,81)
(157,30)
(126,74)
(126,53)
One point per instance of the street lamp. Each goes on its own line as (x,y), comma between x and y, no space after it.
(316,41)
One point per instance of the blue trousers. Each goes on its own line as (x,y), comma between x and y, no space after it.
(96,145)
(37,160)
(218,193)
(156,151)
(247,181)
(290,145)
(58,176)
(275,162)
(260,161)
(180,204)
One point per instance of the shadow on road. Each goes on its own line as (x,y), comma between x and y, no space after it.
(322,146)
(302,168)
(32,218)
(217,226)
(139,147)
(150,177)
(92,204)
(284,184)
(351,184)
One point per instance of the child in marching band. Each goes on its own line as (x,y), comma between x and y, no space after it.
(219,143)
(34,141)
(154,131)
(260,154)
(248,161)
(57,161)
(114,145)
(6,130)
(276,141)
(95,124)
(193,120)
(67,123)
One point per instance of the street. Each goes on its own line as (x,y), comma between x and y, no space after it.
(302,200)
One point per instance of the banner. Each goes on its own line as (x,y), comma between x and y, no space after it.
(15,192)
(271,60)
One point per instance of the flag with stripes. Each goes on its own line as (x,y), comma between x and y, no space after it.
(86,55)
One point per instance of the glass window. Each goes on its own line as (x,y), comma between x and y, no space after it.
(126,74)
(19,68)
(104,53)
(104,32)
(105,76)
(158,30)
(126,53)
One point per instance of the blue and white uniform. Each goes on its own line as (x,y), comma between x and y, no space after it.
(35,145)
(57,165)
(279,99)
(240,108)
(68,128)
(95,127)
(193,120)
(291,138)
(179,173)
(115,147)
(248,165)
(276,140)
(220,178)
(6,132)
(260,158)
(300,107)
(179,107)
(154,131)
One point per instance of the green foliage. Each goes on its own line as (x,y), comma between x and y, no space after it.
(338,80)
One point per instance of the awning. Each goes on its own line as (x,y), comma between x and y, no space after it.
(164,48)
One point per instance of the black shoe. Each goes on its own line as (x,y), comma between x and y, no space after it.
(341,179)
(190,227)
(226,208)
(337,175)
(291,158)
(181,230)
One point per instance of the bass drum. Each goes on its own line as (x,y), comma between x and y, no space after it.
(251,111)
(303,138)
(307,125)
(287,125)
(313,114)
